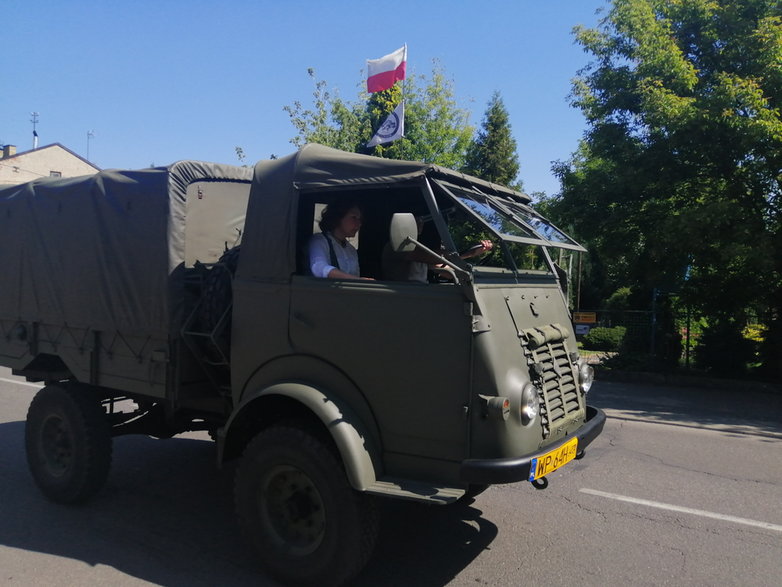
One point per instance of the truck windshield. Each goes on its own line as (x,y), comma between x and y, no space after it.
(518,234)
(511,219)
(539,224)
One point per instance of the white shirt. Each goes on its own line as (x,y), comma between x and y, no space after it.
(320,257)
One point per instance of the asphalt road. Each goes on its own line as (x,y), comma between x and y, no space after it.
(684,487)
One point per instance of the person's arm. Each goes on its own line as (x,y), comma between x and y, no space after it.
(320,258)
(338,274)
(320,261)
(482,247)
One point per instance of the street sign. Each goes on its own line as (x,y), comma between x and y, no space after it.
(585,317)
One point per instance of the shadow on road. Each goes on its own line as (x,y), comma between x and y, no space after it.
(733,412)
(426,545)
(166,517)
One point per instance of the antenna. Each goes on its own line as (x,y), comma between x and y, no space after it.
(34,120)
(90,135)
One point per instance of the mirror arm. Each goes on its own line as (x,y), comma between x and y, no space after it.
(456,269)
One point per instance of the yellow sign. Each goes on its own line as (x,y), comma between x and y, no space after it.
(553,460)
(585,317)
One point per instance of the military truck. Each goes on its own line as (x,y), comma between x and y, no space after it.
(179,298)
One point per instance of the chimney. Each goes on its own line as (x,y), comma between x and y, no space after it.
(9,151)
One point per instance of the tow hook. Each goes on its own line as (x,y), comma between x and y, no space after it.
(580,455)
(541,483)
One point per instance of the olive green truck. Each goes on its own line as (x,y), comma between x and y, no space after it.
(176,299)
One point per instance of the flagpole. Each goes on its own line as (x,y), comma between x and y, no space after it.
(404,85)
(404,81)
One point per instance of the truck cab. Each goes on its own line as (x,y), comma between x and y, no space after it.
(457,382)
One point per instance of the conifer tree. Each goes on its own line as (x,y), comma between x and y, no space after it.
(492,153)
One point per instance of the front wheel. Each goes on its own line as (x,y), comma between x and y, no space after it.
(68,443)
(306,522)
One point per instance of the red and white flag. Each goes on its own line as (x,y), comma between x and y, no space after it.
(384,72)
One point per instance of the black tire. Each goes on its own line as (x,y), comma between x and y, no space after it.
(294,502)
(68,443)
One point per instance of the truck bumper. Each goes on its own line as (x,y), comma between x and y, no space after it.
(510,470)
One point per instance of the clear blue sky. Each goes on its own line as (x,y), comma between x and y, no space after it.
(174,79)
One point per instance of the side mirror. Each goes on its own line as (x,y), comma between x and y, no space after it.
(403,233)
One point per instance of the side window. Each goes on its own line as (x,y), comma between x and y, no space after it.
(311,208)
(377,204)
(215,219)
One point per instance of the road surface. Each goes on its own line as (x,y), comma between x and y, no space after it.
(684,487)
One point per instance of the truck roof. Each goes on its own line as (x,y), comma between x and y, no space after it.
(315,166)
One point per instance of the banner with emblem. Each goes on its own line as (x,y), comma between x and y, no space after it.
(393,127)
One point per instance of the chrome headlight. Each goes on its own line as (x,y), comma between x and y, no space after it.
(530,405)
(586,376)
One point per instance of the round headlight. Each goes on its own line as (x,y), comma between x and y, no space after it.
(529,404)
(586,376)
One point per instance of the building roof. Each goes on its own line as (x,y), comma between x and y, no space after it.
(63,147)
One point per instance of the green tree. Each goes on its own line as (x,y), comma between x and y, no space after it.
(492,153)
(676,185)
(331,121)
(436,128)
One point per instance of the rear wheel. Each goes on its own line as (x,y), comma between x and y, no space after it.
(68,443)
(307,524)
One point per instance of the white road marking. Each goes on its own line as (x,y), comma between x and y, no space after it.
(684,510)
(36,385)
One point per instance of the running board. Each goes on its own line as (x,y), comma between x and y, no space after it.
(415,490)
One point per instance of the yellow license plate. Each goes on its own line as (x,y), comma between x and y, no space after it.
(553,460)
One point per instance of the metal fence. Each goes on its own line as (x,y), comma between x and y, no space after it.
(645,327)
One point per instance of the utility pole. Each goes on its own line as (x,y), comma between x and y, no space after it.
(90,135)
(34,120)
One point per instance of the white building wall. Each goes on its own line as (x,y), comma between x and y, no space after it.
(42,162)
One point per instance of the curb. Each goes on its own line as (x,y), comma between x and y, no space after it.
(676,380)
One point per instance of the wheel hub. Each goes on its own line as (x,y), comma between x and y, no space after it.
(56,445)
(293,510)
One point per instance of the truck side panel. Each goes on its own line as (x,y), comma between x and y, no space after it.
(134,364)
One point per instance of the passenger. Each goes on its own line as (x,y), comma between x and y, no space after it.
(330,253)
(415,265)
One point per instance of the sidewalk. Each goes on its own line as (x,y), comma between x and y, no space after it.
(684,380)
(743,411)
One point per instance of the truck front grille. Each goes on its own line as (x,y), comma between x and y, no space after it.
(551,370)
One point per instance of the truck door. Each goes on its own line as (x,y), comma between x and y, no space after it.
(407,346)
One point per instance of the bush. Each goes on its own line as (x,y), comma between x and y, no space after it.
(723,350)
(605,339)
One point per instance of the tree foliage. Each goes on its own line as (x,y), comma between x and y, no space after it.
(436,128)
(676,184)
(492,153)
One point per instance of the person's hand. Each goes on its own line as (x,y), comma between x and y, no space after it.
(482,247)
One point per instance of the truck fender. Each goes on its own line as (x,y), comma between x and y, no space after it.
(350,436)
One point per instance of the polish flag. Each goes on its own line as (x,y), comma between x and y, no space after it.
(383,72)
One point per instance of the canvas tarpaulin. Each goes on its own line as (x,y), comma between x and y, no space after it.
(104,251)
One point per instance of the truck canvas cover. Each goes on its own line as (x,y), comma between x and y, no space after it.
(105,251)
